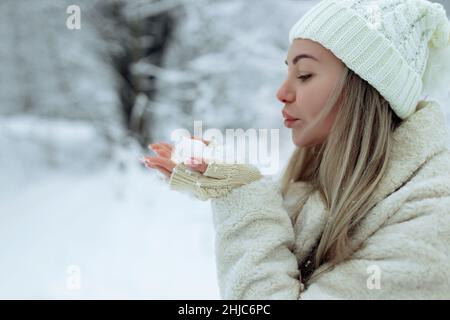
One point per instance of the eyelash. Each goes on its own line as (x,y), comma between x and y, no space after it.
(304,78)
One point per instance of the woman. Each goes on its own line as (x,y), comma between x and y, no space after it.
(363,208)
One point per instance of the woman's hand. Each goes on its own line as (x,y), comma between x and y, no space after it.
(163,162)
(198,178)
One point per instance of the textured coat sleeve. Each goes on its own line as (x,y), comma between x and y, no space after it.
(407,258)
(216,181)
(254,242)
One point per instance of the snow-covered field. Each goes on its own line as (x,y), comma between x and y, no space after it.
(115,231)
(129,237)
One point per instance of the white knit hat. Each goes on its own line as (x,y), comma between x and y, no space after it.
(400,47)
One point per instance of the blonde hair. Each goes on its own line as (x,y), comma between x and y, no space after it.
(346,168)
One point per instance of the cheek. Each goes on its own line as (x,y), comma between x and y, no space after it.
(314,136)
(312,99)
(316,98)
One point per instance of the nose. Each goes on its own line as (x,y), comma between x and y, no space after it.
(284,95)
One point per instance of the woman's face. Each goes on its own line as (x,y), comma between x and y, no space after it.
(305,97)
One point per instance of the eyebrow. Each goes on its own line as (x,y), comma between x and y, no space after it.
(301,56)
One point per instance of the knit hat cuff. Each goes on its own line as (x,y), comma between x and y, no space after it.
(365,50)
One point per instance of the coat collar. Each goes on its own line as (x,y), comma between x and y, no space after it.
(418,138)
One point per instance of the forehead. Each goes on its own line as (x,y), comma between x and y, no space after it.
(326,57)
(307,46)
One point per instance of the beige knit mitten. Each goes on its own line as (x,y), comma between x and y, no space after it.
(216,181)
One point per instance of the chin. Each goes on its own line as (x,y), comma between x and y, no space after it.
(299,142)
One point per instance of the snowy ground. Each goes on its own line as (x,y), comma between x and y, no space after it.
(127,235)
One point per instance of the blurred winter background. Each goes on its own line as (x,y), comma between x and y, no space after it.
(80,217)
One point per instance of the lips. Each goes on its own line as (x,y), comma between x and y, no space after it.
(287,116)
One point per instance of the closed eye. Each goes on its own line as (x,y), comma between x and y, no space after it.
(304,78)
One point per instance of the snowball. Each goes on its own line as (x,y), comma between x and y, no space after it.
(186,149)
(213,152)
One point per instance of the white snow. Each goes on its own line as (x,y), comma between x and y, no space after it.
(127,233)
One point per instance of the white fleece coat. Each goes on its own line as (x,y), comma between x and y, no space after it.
(405,238)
